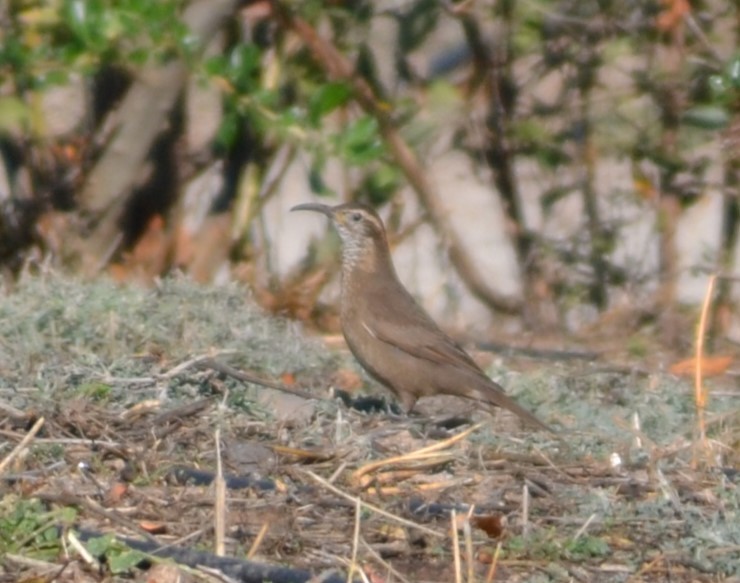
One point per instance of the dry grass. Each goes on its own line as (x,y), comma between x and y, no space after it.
(114,374)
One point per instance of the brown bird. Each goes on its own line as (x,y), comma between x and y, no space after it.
(394,339)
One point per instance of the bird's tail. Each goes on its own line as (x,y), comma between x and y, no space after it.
(490,393)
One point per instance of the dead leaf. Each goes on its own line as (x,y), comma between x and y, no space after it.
(148,258)
(116,493)
(153,527)
(287,379)
(141,409)
(393,532)
(346,380)
(492,524)
(673,14)
(710,366)
(210,247)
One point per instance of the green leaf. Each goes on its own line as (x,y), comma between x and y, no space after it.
(363,130)
(328,98)
(94,390)
(316,182)
(733,71)
(707,117)
(229,129)
(316,173)
(99,546)
(587,547)
(121,558)
(243,65)
(416,24)
(125,561)
(718,86)
(139,56)
(217,65)
(380,185)
(67,515)
(77,14)
(14,114)
(360,142)
(86,20)
(552,196)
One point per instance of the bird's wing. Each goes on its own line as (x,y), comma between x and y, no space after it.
(405,325)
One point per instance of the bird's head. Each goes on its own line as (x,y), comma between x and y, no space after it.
(359,227)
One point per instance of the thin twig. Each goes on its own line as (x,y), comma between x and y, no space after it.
(494,562)
(371,507)
(422,453)
(355,541)
(258,540)
(525,510)
(66,440)
(22,445)
(250,378)
(583,528)
(69,499)
(219,518)
(455,547)
(376,555)
(36,564)
(183,366)
(173,372)
(694,27)
(700,395)
(468,539)
(81,550)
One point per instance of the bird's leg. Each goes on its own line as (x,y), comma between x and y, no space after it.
(408,400)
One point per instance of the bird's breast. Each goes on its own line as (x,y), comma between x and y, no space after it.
(369,351)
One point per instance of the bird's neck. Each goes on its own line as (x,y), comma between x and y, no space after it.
(366,262)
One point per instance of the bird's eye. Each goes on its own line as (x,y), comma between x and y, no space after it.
(356,217)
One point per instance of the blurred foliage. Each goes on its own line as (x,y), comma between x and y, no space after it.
(723,99)
(565,86)
(44,43)
(119,557)
(28,528)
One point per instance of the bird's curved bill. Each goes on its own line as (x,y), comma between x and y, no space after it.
(314,206)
